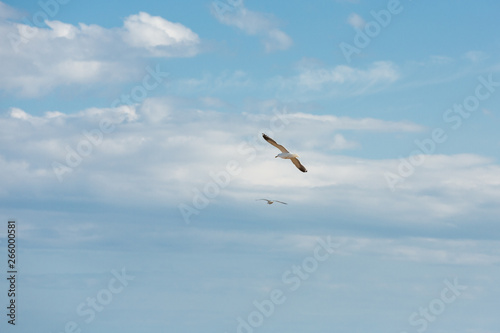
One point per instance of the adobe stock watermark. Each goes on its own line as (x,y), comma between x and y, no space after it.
(292,280)
(49,8)
(222,178)
(420,319)
(94,138)
(87,310)
(373,28)
(453,116)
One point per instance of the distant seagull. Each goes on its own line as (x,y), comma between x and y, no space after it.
(285,154)
(270,202)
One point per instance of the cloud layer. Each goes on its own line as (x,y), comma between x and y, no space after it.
(167,150)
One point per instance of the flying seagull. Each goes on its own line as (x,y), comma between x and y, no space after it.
(285,153)
(270,202)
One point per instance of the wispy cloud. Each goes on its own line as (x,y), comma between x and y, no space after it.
(340,80)
(440,60)
(425,250)
(254,23)
(379,72)
(209,83)
(476,56)
(364,124)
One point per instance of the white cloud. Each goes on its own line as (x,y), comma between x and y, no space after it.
(19,114)
(253,23)
(159,36)
(60,29)
(37,60)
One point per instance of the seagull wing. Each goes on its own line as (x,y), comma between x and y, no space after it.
(298,165)
(271,141)
(281,202)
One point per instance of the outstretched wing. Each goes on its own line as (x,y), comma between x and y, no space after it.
(281,202)
(271,141)
(298,165)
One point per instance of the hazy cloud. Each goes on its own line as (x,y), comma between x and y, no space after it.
(356,21)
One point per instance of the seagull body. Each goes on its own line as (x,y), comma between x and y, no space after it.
(270,202)
(285,154)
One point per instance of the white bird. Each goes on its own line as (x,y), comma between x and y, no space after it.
(270,202)
(285,154)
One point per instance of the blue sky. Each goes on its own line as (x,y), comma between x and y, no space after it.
(132,159)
